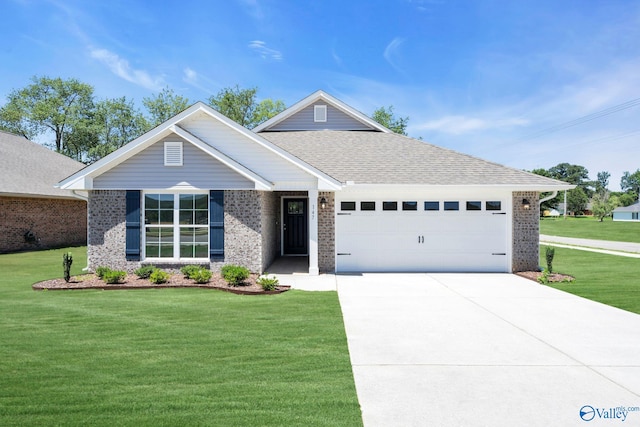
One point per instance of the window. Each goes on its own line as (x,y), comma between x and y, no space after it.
(409,206)
(347,206)
(634,215)
(319,113)
(451,206)
(474,206)
(367,206)
(389,206)
(295,207)
(173,153)
(493,206)
(176,225)
(431,206)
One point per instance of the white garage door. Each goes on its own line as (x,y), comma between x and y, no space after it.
(441,235)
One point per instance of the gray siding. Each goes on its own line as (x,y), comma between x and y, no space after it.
(623,216)
(336,120)
(146,170)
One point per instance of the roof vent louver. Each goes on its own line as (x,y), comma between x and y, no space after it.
(319,113)
(173,153)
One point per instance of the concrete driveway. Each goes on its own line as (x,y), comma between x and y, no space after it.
(487,350)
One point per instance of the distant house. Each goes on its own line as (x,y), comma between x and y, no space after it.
(627,213)
(33,213)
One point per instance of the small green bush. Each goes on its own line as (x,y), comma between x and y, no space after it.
(158,277)
(202,275)
(544,278)
(549,253)
(101,271)
(234,274)
(114,276)
(67,260)
(268,283)
(145,271)
(189,270)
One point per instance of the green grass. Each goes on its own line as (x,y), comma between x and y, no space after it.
(591,228)
(610,279)
(167,357)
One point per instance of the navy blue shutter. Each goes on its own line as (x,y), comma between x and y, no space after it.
(133,225)
(216,224)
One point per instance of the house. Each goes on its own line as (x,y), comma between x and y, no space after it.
(627,213)
(320,180)
(34,214)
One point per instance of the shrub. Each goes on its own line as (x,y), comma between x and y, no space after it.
(202,275)
(101,271)
(67,260)
(158,277)
(544,278)
(189,270)
(549,253)
(145,271)
(268,283)
(114,276)
(234,274)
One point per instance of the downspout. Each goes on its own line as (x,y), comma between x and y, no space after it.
(554,194)
(86,199)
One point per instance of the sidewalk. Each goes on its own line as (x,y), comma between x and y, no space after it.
(627,249)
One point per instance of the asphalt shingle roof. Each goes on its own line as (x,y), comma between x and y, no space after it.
(27,168)
(387,158)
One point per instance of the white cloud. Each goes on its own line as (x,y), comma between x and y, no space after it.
(121,68)
(458,125)
(265,53)
(190,76)
(391,53)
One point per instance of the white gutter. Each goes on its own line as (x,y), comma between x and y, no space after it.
(86,199)
(554,194)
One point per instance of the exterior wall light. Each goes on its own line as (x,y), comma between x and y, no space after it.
(525,204)
(323,203)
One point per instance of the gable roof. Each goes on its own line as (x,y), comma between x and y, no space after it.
(389,158)
(84,178)
(326,98)
(631,208)
(28,169)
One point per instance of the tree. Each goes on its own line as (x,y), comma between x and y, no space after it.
(630,182)
(602,183)
(163,106)
(386,118)
(116,122)
(240,105)
(48,105)
(577,200)
(603,204)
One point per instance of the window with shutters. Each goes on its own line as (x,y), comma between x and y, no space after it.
(176,226)
(173,153)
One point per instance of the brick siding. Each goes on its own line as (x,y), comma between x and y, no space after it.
(327,234)
(53,223)
(526,232)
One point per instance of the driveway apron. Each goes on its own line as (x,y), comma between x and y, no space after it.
(487,350)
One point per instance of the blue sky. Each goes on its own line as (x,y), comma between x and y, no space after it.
(489,78)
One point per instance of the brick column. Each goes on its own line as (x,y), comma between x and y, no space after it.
(526,232)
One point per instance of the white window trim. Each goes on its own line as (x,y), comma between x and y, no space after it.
(320,113)
(169,152)
(176,227)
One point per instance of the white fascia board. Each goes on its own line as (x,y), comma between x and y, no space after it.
(331,182)
(314,97)
(504,187)
(260,182)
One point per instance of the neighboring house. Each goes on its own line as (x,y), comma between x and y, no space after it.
(627,213)
(320,180)
(33,213)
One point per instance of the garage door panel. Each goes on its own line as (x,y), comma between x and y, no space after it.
(421,241)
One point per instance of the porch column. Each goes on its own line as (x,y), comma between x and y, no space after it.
(313,233)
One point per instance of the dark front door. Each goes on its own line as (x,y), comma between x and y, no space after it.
(294,227)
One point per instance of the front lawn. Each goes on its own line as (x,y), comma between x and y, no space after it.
(591,228)
(610,279)
(168,357)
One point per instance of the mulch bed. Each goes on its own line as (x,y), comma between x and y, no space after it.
(91,281)
(553,277)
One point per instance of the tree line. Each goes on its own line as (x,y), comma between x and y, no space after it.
(603,201)
(87,129)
